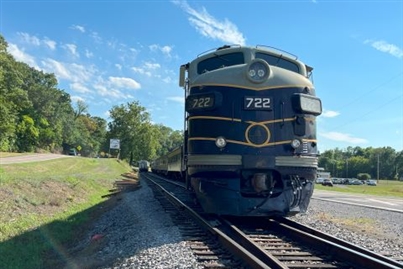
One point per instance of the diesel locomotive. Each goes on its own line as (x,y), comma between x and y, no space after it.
(250,146)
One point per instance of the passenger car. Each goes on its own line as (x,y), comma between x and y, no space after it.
(73,152)
(371,182)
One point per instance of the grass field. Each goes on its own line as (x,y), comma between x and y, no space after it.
(44,205)
(384,188)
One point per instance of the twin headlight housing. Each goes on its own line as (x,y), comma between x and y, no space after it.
(258,71)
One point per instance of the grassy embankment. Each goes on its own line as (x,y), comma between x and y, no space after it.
(384,188)
(44,206)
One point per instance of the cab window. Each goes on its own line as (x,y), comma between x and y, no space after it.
(220,61)
(278,61)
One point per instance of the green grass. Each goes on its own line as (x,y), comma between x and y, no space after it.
(391,188)
(44,205)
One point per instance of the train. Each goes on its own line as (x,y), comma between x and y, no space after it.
(250,145)
(144,166)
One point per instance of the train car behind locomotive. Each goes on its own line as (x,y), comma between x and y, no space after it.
(143,166)
(250,144)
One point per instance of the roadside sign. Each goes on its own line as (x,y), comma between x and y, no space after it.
(114,144)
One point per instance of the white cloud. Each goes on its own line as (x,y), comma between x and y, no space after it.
(336,136)
(33,40)
(118,66)
(21,56)
(152,66)
(78,87)
(76,98)
(166,50)
(167,80)
(210,27)
(109,93)
(58,68)
(88,54)
(147,68)
(79,28)
(330,113)
(140,70)
(179,99)
(72,72)
(121,82)
(72,49)
(50,43)
(96,37)
(386,47)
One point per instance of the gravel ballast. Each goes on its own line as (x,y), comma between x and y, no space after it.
(137,233)
(377,230)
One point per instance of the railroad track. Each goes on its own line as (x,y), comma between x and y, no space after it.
(275,243)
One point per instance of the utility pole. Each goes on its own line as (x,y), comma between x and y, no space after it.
(377,169)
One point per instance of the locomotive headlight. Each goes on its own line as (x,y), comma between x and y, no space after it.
(258,71)
(220,142)
(295,143)
(308,104)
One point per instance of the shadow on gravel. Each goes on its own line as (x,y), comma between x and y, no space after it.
(48,246)
(52,246)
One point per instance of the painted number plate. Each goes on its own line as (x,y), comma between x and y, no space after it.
(257,103)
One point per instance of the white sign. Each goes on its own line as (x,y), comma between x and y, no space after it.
(114,144)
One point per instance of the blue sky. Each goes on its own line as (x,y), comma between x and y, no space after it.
(108,53)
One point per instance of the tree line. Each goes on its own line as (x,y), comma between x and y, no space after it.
(378,163)
(37,116)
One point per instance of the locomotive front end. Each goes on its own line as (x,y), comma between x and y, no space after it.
(251,131)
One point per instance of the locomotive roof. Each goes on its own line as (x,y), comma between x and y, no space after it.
(258,48)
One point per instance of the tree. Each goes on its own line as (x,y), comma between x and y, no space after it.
(358,164)
(168,139)
(13,98)
(399,165)
(363,160)
(131,124)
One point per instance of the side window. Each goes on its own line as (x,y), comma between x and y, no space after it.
(278,61)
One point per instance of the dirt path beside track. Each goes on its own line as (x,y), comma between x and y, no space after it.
(32,158)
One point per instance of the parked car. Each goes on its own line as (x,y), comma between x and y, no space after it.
(73,152)
(337,180)
(371,182)
(327,182)
(354,181)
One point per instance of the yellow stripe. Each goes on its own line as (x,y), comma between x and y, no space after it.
(262,88)
(239,120)
(250,144)
(213,118)
(271,121)
(249,122)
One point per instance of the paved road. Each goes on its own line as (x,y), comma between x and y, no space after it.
(388,203)
(31,158)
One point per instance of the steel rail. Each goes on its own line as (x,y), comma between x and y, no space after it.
(340,242)
(337,248)
(232,246)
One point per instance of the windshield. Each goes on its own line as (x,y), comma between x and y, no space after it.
(278,61)
(220,61)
